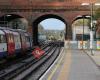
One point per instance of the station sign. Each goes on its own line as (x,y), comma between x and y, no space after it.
(38,52)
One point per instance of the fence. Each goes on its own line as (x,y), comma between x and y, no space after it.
(82,45)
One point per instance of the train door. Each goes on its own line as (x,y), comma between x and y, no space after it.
(23,41)
(17,42)
(10,42)
(27,41)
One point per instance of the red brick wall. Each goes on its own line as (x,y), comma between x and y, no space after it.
(26,2)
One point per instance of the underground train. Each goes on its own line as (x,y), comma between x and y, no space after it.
(14,42)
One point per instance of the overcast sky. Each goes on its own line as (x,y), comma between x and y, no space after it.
(53,24)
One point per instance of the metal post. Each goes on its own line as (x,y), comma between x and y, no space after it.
(94,24)
(95,34)
(83,34)
(91,32)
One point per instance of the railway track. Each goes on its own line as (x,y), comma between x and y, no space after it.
(10,72)
(10,62)
(36,74)
(26,67)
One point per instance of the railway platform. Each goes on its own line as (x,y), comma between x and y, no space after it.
(94,55)
(73,65)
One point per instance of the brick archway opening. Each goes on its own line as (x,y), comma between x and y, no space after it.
(41,18)
(83,28)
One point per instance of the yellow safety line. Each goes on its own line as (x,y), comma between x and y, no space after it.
(55,69)
(65,68)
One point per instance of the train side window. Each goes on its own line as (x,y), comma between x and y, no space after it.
(23,38)
(27,39)
(10,38)
(2,39)
(16,38)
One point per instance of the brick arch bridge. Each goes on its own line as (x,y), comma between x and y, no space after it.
(66,10)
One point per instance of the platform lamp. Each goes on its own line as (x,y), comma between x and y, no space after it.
(91,29)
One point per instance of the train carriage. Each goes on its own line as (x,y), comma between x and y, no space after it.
(3,45)
(13,42)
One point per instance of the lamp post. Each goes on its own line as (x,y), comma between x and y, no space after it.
(83,33)
(84,17)
(94,28)
(91,24)
(91,31)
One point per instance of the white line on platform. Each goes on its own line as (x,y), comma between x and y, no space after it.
(52,65)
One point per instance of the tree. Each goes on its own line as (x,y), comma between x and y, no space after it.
(97,17)
(97,14)
(40,28)
(79,22)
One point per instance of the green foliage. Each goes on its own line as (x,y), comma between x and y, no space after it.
(40,27)
(80,22)
(97,14)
